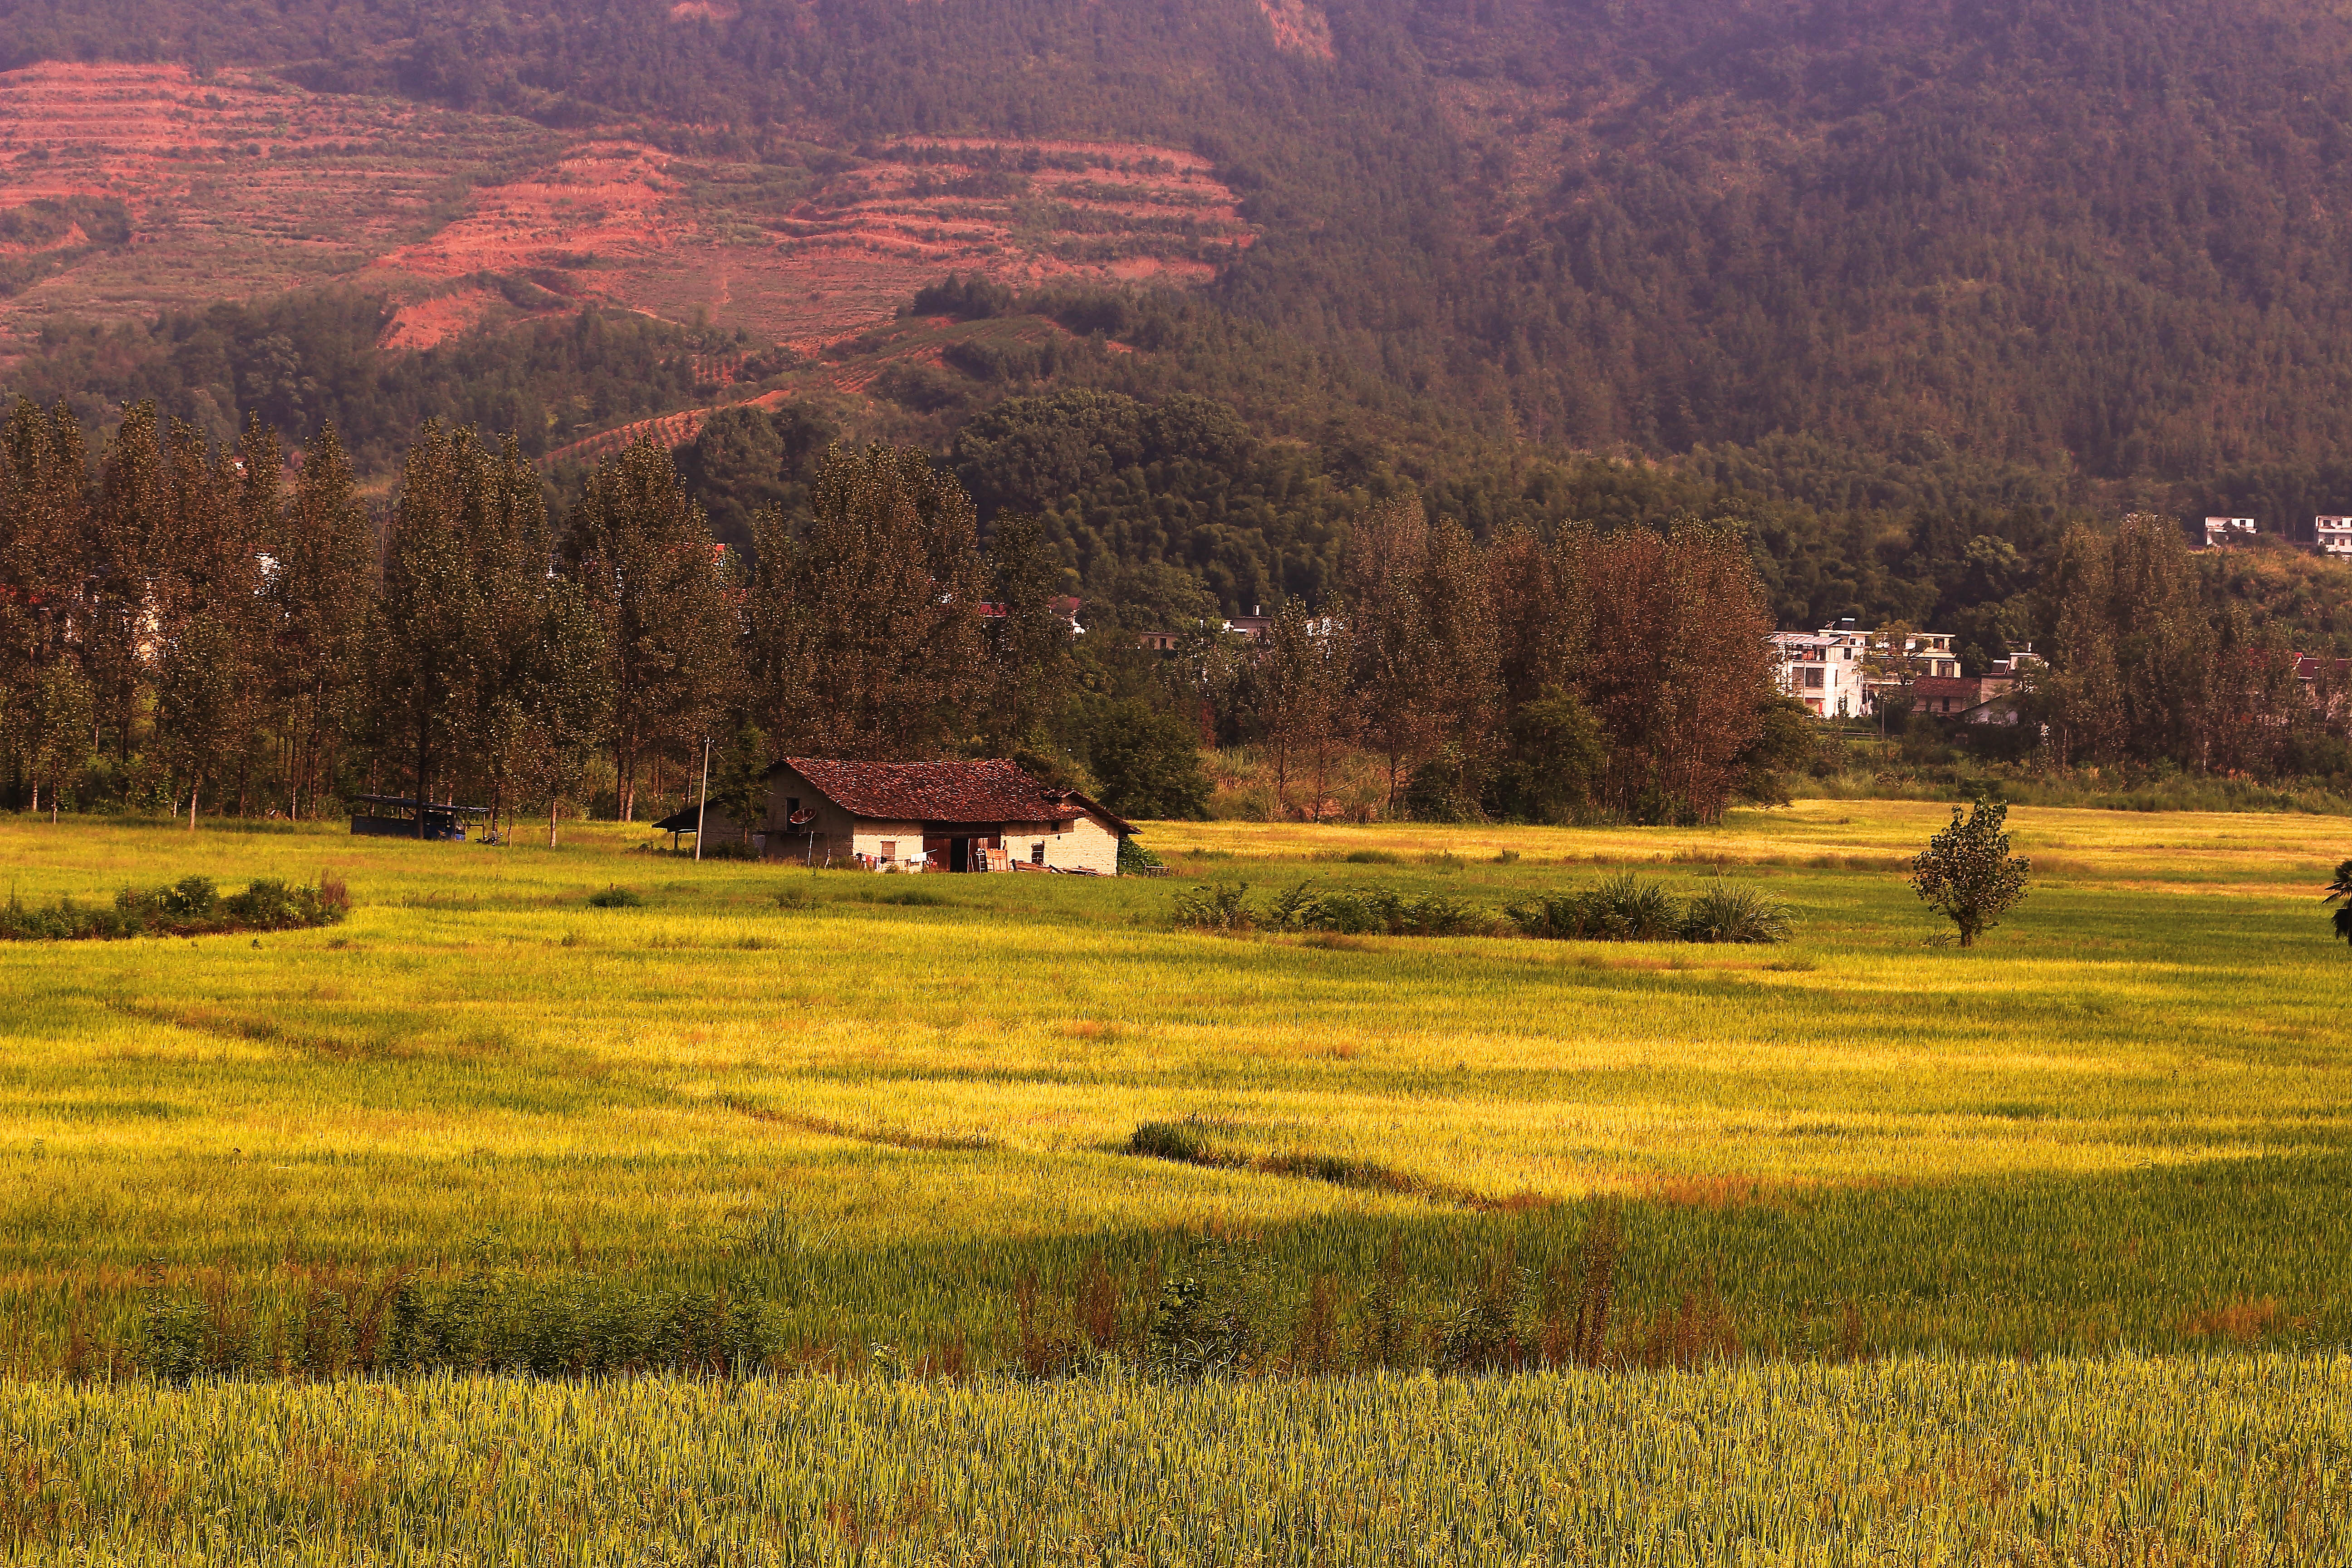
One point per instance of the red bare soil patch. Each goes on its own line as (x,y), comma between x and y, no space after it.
(234,184)
(421,324)
(237,185)
(1300,27)
(601,203)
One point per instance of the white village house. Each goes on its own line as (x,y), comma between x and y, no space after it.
(1824,669)
(983,815)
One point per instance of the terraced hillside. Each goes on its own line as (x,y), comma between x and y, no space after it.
(130,189)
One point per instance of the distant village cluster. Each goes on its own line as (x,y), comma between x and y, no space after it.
(1843,672)
(2332,532)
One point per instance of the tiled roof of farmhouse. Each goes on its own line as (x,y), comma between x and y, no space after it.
(1966,686)
(990,790)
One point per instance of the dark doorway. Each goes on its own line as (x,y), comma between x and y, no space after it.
(960,855)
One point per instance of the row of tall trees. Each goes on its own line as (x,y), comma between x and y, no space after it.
(183,618)
(2152,661)
(1537,677)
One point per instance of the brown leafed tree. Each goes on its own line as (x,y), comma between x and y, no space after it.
(321,594)
(45,577)
(425,642)
(1422,639)
(642,554)
(867,629)
(1679,670)
(1302,690)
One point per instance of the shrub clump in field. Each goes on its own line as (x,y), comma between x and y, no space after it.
(1727,913)
(617,897)
(192,906)
(2341,888)
(1625,908)
(1620,908)
(1352,911)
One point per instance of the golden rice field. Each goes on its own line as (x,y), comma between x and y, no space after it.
(1856,1177)
(2238,1460)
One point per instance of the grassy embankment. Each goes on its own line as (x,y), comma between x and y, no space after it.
(2117,1126)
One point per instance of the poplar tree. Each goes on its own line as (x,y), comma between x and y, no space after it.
(872,617)
(1029,641)
(566,695)
(424,639)
(44,569)
(1302,690)
(644,554)
(205,593)
(320,595)
(129,535)
(1681,668)
(1424,640)
(513,553)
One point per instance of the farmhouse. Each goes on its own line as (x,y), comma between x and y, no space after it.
(984,816)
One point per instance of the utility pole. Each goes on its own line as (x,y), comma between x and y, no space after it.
(703,805)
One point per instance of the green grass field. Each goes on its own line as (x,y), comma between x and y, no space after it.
(895,1134)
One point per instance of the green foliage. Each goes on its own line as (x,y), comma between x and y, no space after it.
(1347,911)
(739,778)
(1624,908)
(1787,742)
(1966,873)
(617,897)
(1727,913)
(311,359)
(2340,887)
(194,906)
(489,1320)
(743,460)
(1146,762)
(1556,754)
(1222,907)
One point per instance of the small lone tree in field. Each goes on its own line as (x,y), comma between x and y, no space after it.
(1967,870)
(2341,888)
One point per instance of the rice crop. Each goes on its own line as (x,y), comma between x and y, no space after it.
(777,1215)
(2124,1459)
(2120,1123)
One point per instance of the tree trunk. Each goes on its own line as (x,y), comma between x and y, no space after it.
(422,724)
(551,819)
(196,787)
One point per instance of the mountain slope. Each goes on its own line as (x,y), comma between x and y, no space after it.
(2104,238)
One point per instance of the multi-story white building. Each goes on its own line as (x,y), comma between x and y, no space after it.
(2221,533)
(2334,533)
(1830,670)
(1822,670)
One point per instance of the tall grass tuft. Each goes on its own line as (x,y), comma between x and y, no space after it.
(1727,913)
(1627,908)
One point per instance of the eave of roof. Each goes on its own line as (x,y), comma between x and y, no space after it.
(988,790)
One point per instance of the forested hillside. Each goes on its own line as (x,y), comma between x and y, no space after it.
(1903,287)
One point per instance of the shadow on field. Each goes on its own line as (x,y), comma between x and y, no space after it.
(2190,1256)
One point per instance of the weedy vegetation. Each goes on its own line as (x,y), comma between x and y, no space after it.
(1050,1232)
(192,906)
